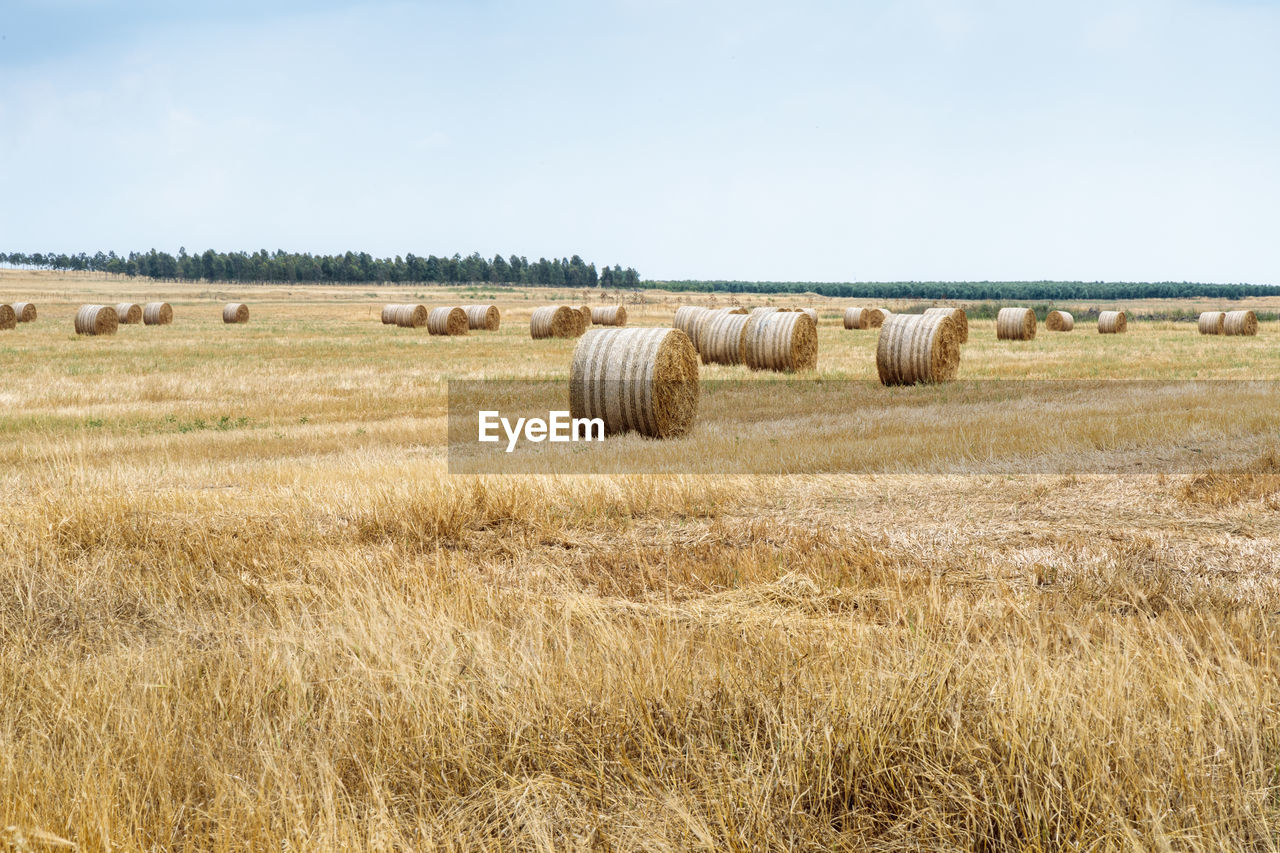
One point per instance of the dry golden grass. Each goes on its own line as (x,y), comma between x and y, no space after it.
(243,606)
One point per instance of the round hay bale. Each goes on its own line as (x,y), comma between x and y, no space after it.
(781,340)
(555,321)
(1112,323)
(447,321)
(1240,323)
(687,317)
(1059,321)
(1212,322)
(915,348)
(129,313)
(96,320)
(962,320)
(863,318)
(157,313)
(235,312)
(1015,324)
(734,309)
(484,317)
(25,312)
(812,312)
(389,313)
(723,338)
(609,315)
(411,316)
(8,318)
(644,380)
(585,311)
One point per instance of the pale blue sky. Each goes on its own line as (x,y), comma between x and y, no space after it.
(798,141)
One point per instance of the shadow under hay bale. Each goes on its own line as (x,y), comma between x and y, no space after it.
(641,380)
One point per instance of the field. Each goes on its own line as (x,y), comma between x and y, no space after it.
(244,605)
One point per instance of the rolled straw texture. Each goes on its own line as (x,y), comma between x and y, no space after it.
(483,317)
(8,318)
(1112,323)
(1212,323)
(723,338)
(411,316)
(782,340)
(1240,323)
(96,320)
(157,314)
(235,312)
(915,348)
(1059,321)
(447,320)
(642,380)
(961,319)
(1015,324)
(129,313)
(25,312)
(609,315)
(555,321)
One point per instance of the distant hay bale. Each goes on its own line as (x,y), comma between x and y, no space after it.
(918,348)
(1240,323)
(8,318)
(609,315)
(1059,321)
(483,317)
(722,338)
(781,340)
(1212,323)
(25,312)
(1112,323)
(447,321)
(96,320)
(961,319)
(235,312)
(642,380)
(863,318)
(411,316)
(389,313)
(1015,324)
(157,314)
(555,321)
(129,313)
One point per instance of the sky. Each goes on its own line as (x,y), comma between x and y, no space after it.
(1128,140)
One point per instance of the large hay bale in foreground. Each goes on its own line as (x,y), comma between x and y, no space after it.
(781,340)
(1112,323)
(863,318)
(1015,324)
(555,321)
(916,348)
(645,380)
(1212,322)
(411,316)
(235,312)
(961,319)
(1240,323)
(25,312)
(447,320)
(96,320)
(484,317)
(157,314)
(8,318)
(1059,321)
(609,315)
(722,338)
(129,313)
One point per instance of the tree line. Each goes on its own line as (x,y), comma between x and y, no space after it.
(348,268)
(1021,291)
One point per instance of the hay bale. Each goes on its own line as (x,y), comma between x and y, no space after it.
(447,321)
(962,320)
(555,321)
(1059,321)
(157,313)
(8,318)
(1112,323)
(235,312)
(734,309)
(864,318)
(609,315)
(781,340)
(484,317)
(389,313)
(644,380)
(722,338)
(411,316)
(585,311)
(1240,323)
(915,348)
(1015,324)
(129,313)
(687,317)
(813,314)
(1212,322)
(96,320)
(25,312)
